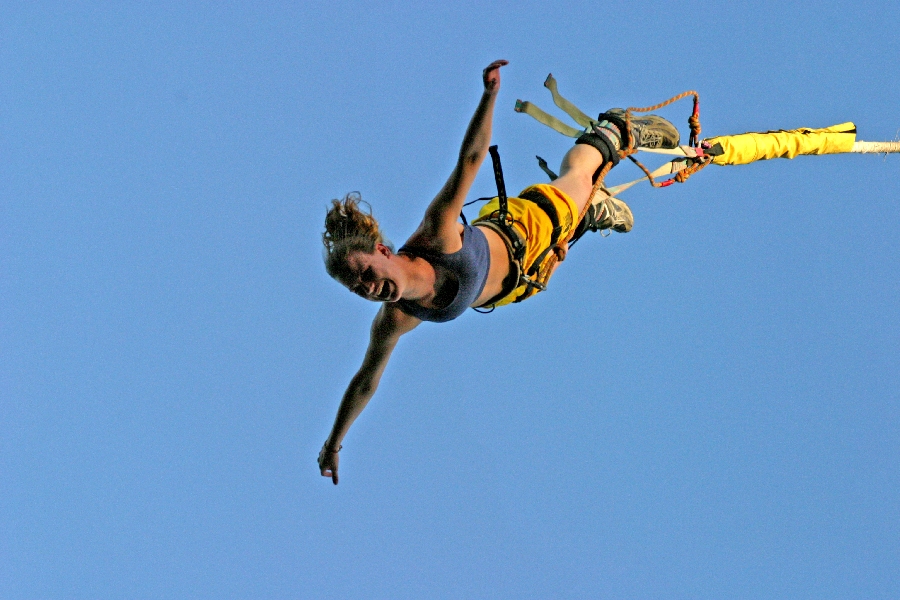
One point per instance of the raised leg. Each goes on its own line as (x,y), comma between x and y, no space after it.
(576,172)
(576,179)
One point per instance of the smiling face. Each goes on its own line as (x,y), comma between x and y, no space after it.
(375,276)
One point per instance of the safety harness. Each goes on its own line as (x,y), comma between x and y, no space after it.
(503,223)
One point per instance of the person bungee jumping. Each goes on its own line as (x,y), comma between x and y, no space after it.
(446,266)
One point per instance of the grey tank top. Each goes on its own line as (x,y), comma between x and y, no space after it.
(470,266)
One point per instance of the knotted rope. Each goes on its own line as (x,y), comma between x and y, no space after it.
(693,123)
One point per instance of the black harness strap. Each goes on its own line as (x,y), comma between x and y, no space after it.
(502,218)
(547,206)
(498,178)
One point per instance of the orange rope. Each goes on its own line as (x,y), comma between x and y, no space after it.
(693,120)
(699,163)
(693,123)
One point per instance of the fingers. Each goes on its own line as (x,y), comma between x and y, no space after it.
(328,465)
(494,66)
(491,76)
(330,471)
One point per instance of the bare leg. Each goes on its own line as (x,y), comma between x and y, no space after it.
(577,172)
(578,167)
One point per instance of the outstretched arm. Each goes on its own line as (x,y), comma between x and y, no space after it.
(438,228)
(389,324)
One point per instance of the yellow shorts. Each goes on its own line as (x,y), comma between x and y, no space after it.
(534,226)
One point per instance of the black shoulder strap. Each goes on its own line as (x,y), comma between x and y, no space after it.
(498,178)
(502,217)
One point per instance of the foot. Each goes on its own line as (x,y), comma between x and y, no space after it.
(609,213)
(648,131)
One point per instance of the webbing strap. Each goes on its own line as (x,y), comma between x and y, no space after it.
(569,108)
(546,119)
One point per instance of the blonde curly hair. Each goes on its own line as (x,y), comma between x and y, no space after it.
(349,229)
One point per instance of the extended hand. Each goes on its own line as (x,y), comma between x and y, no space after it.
(328,464)
(491,75)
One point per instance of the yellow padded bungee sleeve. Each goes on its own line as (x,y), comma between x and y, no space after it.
(746,148)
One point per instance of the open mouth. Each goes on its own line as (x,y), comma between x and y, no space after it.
(384,292)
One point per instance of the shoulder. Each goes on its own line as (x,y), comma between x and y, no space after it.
(424,239)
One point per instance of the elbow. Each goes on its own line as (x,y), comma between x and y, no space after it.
(473,159)
(366,389)
(364,386)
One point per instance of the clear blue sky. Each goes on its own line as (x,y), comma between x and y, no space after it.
(706,407)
